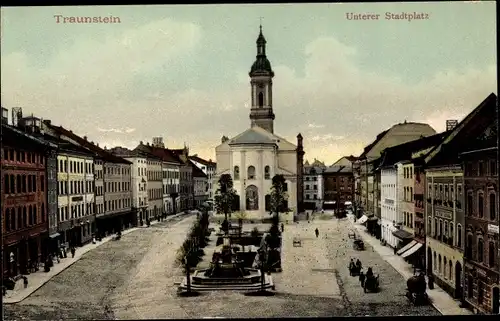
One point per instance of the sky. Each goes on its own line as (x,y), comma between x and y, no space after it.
(181,72)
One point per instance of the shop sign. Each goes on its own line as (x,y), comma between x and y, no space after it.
(492,228)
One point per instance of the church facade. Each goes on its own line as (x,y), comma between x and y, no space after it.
(253,157)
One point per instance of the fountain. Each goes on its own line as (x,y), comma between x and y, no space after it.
(227,272)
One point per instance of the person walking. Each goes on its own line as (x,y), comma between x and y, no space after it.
(25,282)
(73,250)
(317,232)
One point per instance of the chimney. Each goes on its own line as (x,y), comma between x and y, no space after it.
(97,144)
(47,121)
(451,124)
(85,137)
(224,139)
(141,143)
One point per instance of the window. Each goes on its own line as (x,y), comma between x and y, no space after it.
(439,265)
(261,99)
(491,254)
(493,168)
(480,205)
(470,287)
(6,184)
(251,172)
(459,235)
(492,206)
(450,268)
(451,235)
(480,170)
(267,172)
(444,267)
(480,292)
(435,227)
(469,204)
(469,246)
(236,173)
(480,250)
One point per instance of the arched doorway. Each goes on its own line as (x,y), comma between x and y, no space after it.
(429,261)
(496,300)
(458,280)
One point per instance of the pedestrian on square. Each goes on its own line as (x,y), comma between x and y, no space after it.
(362,278)
(73,250)
(25,281)
(317,232)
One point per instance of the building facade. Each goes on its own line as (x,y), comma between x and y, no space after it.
(154,188)
(253,157)
(186,180)
(23,201)
(209,168)
(313,187)
(407,202)
(200,186)
(389,206)
(481,228)
(338,187)
(139,181)
(446,230)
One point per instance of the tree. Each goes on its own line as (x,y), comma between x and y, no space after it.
(279,204)
(224,196)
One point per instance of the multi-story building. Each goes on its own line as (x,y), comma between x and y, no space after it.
(23,200)
(482,269)
(390,202)
(186,179)
(170,174)
(200,184)
(313,185)
(367,177)
(481,221)
(139,176)
(115,180)
(411,180)
(338,187)
(209,168)
(445,202)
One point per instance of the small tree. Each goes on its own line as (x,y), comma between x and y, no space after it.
(278,205)
(225,196)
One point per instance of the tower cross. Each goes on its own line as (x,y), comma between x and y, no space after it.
(260,18)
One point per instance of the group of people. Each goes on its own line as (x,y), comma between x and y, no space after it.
(362,276)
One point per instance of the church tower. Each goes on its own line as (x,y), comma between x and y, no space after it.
(261,75)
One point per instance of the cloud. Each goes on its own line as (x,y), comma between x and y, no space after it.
(315,126)
(116,130)
(92,80)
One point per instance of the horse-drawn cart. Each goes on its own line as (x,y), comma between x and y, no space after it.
(358,245)
(416,290)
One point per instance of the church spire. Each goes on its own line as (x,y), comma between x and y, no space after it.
(261,75)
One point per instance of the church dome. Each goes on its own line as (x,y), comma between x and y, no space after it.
(261,64)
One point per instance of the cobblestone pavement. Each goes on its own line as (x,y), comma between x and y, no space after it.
(87,289)
(134,279)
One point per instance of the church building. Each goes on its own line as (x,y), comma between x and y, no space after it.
(253,157)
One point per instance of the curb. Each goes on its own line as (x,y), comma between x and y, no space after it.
(17,300)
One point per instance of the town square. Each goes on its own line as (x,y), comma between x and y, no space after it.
(260,162)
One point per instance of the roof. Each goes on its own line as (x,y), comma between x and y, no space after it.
(465,131)
(106,155)
(403,152)
(16,133)
(202,161)
(317,170)
(65,146)
(196,171)
(164,154)
(369,147)
(252,136)
(338,169)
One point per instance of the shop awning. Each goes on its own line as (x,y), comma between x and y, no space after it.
(53,236)
(412,250)
(406,247)
(402,234)
(362,219)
